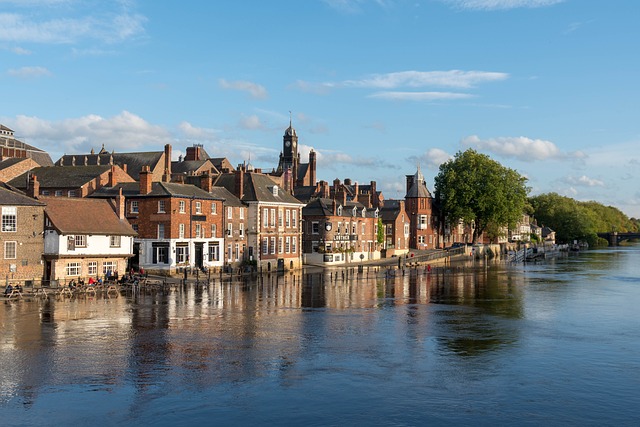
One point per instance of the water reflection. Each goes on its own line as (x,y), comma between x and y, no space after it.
(301,336)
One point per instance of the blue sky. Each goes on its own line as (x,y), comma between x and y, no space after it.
(376,87)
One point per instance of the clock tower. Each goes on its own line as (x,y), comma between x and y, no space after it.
(290,148)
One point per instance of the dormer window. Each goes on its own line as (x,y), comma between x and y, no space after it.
(339,210)
(364,212)
(376,214)
(274,189)
(354,212)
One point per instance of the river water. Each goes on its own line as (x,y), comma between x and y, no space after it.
(554,343)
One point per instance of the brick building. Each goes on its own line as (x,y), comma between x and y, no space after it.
(21,241)
(420,211)
(397,228)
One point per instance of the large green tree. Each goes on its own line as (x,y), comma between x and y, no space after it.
(474,188)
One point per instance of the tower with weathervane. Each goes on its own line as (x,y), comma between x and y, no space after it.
(292,172)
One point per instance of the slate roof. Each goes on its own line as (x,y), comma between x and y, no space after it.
(134,161)
(61,177)
(10,196)
(390,210)
(257,188)
(10,161)
(41,157)
(324,207)
(187,166)
(71,215)
(304,193)
(158,189)
(419,187)
(224,194)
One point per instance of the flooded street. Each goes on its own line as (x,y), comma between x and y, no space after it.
(552,343)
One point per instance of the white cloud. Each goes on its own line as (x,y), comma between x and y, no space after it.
(330,159)
(522,148)
(198,133)
(352,6)
(123,132)
(584,181)
(416,79)
(29,72)
(420,96)
(432,158)
(501,4)
(110,27)
(252,122)
(255,90)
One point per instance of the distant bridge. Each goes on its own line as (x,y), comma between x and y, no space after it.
(614,238)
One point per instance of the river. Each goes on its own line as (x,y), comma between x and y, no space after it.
(553,343)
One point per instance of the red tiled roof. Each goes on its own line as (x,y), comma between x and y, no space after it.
(85,216)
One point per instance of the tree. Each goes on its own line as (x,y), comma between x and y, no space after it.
(380,236)
(479,190)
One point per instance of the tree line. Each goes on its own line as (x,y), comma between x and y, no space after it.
(476,189)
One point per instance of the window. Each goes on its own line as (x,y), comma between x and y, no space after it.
(279,245)
(237,251)
(198,208)
(363,229)
(81,241)
(241,210)
(229,212)
(214,251)
(135,227)
(9,218)
(353,228)
(265,217)
(279,217)
(229,229)
(421,239)
(160,231)
(294,222)
(10,249)
(339,210)
(229,252)
(181,206)
(273,217)
(73,269)
(241,229)
(288,218)
(58,193)
(294,245)
(181,231)
(44,192)
(265,245)
(109,265)
(315,227)
(198,231)
(114,241)
(182,254)
(406,229)
(92,268)
(214,208)
(160,254)
(133,207)
(287,244)
(273,245)
(161,204)
(214,230)
(422,225)
(72,193)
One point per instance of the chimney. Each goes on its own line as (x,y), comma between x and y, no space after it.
(336,184)
(334,207)
(166,177)
(120,204)
(355,190)
(325,189)
(112,177)
(375,202)
(239,184)
(347,181)
(124,168)
(146,180)
(312,167)
(33,189)
(205,182)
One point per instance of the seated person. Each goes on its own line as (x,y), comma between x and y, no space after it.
(18,287)
(92,281)
(8,290)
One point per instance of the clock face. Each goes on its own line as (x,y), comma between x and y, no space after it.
(288,143)
(327,226)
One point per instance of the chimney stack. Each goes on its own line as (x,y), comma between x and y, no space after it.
(33,189)
(120,204)
(146,180)
(205,182)
(112,177)
(166,177)
(239,183)
(312,167)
